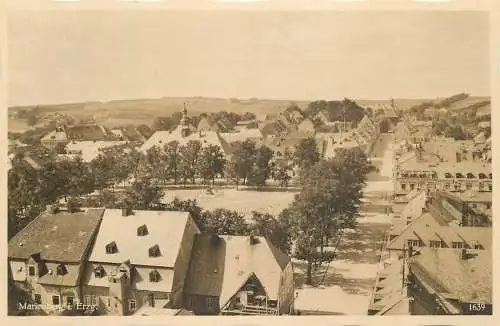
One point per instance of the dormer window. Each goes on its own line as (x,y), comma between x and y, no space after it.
(482,176)
(111,248)
(154,276)
(61,270)
(154,251)
(470,176)
(99,271)
(459,175)
(142,230)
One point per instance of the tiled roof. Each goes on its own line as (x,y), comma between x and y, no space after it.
(165,229)
(89,150)
(243,135)
(222,269)
(468,280)
(60,237)
(427,227)
(161,138)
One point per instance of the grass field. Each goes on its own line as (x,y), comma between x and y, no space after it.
(241,201)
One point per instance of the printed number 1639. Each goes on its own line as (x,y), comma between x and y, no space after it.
(477,306)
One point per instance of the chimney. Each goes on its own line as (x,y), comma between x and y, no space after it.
(126,211)
(215,240)
(253,240)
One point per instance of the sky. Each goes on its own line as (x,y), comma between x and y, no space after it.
(73,56)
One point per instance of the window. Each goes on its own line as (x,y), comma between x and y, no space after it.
(403,186)
(142,230)
(95,300)
(154,251)
(69,301)
(109,302)
(477,246)
(38,298)
(457,245)
(99,271)
(435,244)
(490,186)
(412,186)
(55,300)
(413,243)
(468,185)
(131,304)
(87,300)
(61,270)
(111,248)
(474,205)
(154,276)
(31,271)
(488,205)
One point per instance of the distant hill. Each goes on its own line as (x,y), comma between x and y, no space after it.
(143,111)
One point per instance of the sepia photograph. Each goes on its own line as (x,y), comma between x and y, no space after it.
(249,163)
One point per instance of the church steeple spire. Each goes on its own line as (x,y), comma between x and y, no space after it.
(184,123)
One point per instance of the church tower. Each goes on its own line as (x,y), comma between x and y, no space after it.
(184,123)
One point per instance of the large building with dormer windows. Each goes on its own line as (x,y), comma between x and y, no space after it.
(139,259)
(47,259)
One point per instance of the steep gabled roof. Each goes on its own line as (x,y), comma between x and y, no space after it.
(467,280)
(59,237)
(222,269)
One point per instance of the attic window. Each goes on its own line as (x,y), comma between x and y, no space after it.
(459,175)
(154,276)
(99,271)
(470,176)
(482,176)
(154,251)
(61,270)
(142,230)
(111,248)
(448,175)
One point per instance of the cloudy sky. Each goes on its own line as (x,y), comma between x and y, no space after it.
(71,56)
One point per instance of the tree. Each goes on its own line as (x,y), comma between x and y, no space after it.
(172,159)
(242,161)
(282,169)
(31,119)
(306,153)
(211,163)
(456,132)
(327,204)
(262,167)
(248,116)
(189,205)
(189,157)
(158,162)
(163,123)
(224,221)
(276,229)
(143,195)
(102,169)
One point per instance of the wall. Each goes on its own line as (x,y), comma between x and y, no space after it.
(182,262)
(286,292)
